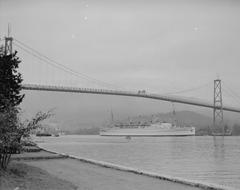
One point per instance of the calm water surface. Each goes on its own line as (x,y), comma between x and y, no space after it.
(215,160)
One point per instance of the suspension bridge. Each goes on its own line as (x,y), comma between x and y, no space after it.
(126,93)
(217,105)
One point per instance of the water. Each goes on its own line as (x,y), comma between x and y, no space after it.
(215,160)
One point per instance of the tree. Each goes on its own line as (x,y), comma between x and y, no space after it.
(10,82)
(24,128)
(12,130)
(8,135)
(10,98)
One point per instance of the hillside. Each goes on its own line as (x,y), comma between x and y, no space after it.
(201,122)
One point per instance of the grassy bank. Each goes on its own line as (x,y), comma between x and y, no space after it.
(21,176)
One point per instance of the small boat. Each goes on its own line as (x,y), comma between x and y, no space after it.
(43,134)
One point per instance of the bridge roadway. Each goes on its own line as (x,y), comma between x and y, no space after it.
(125,93)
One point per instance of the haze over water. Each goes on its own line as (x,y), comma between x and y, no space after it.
(208,159)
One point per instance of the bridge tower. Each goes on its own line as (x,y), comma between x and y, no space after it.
(8,43)
(218,127)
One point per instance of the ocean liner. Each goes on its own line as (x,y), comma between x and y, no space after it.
(157,129)
(152,129)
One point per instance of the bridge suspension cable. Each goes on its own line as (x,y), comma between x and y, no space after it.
(231,93)
(60,66)
(189,89)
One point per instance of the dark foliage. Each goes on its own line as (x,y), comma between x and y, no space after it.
(10,82)
(8,136)
(10,98)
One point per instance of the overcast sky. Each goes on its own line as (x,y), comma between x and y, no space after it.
(159,45)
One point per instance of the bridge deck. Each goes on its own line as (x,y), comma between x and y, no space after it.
(126,93)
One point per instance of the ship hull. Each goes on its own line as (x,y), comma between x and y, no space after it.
(186,131)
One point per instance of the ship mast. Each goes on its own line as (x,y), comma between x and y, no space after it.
(112,118)
(174,120)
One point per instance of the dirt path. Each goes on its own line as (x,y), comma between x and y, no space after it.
(92,177)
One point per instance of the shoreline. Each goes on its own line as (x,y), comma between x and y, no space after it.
(178,180)
(90,176)
(43,171)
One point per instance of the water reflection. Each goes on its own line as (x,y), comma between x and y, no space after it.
(218,149)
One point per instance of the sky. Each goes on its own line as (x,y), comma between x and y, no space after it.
(162,46)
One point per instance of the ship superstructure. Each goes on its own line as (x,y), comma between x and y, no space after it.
(152,128)
(157,129)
